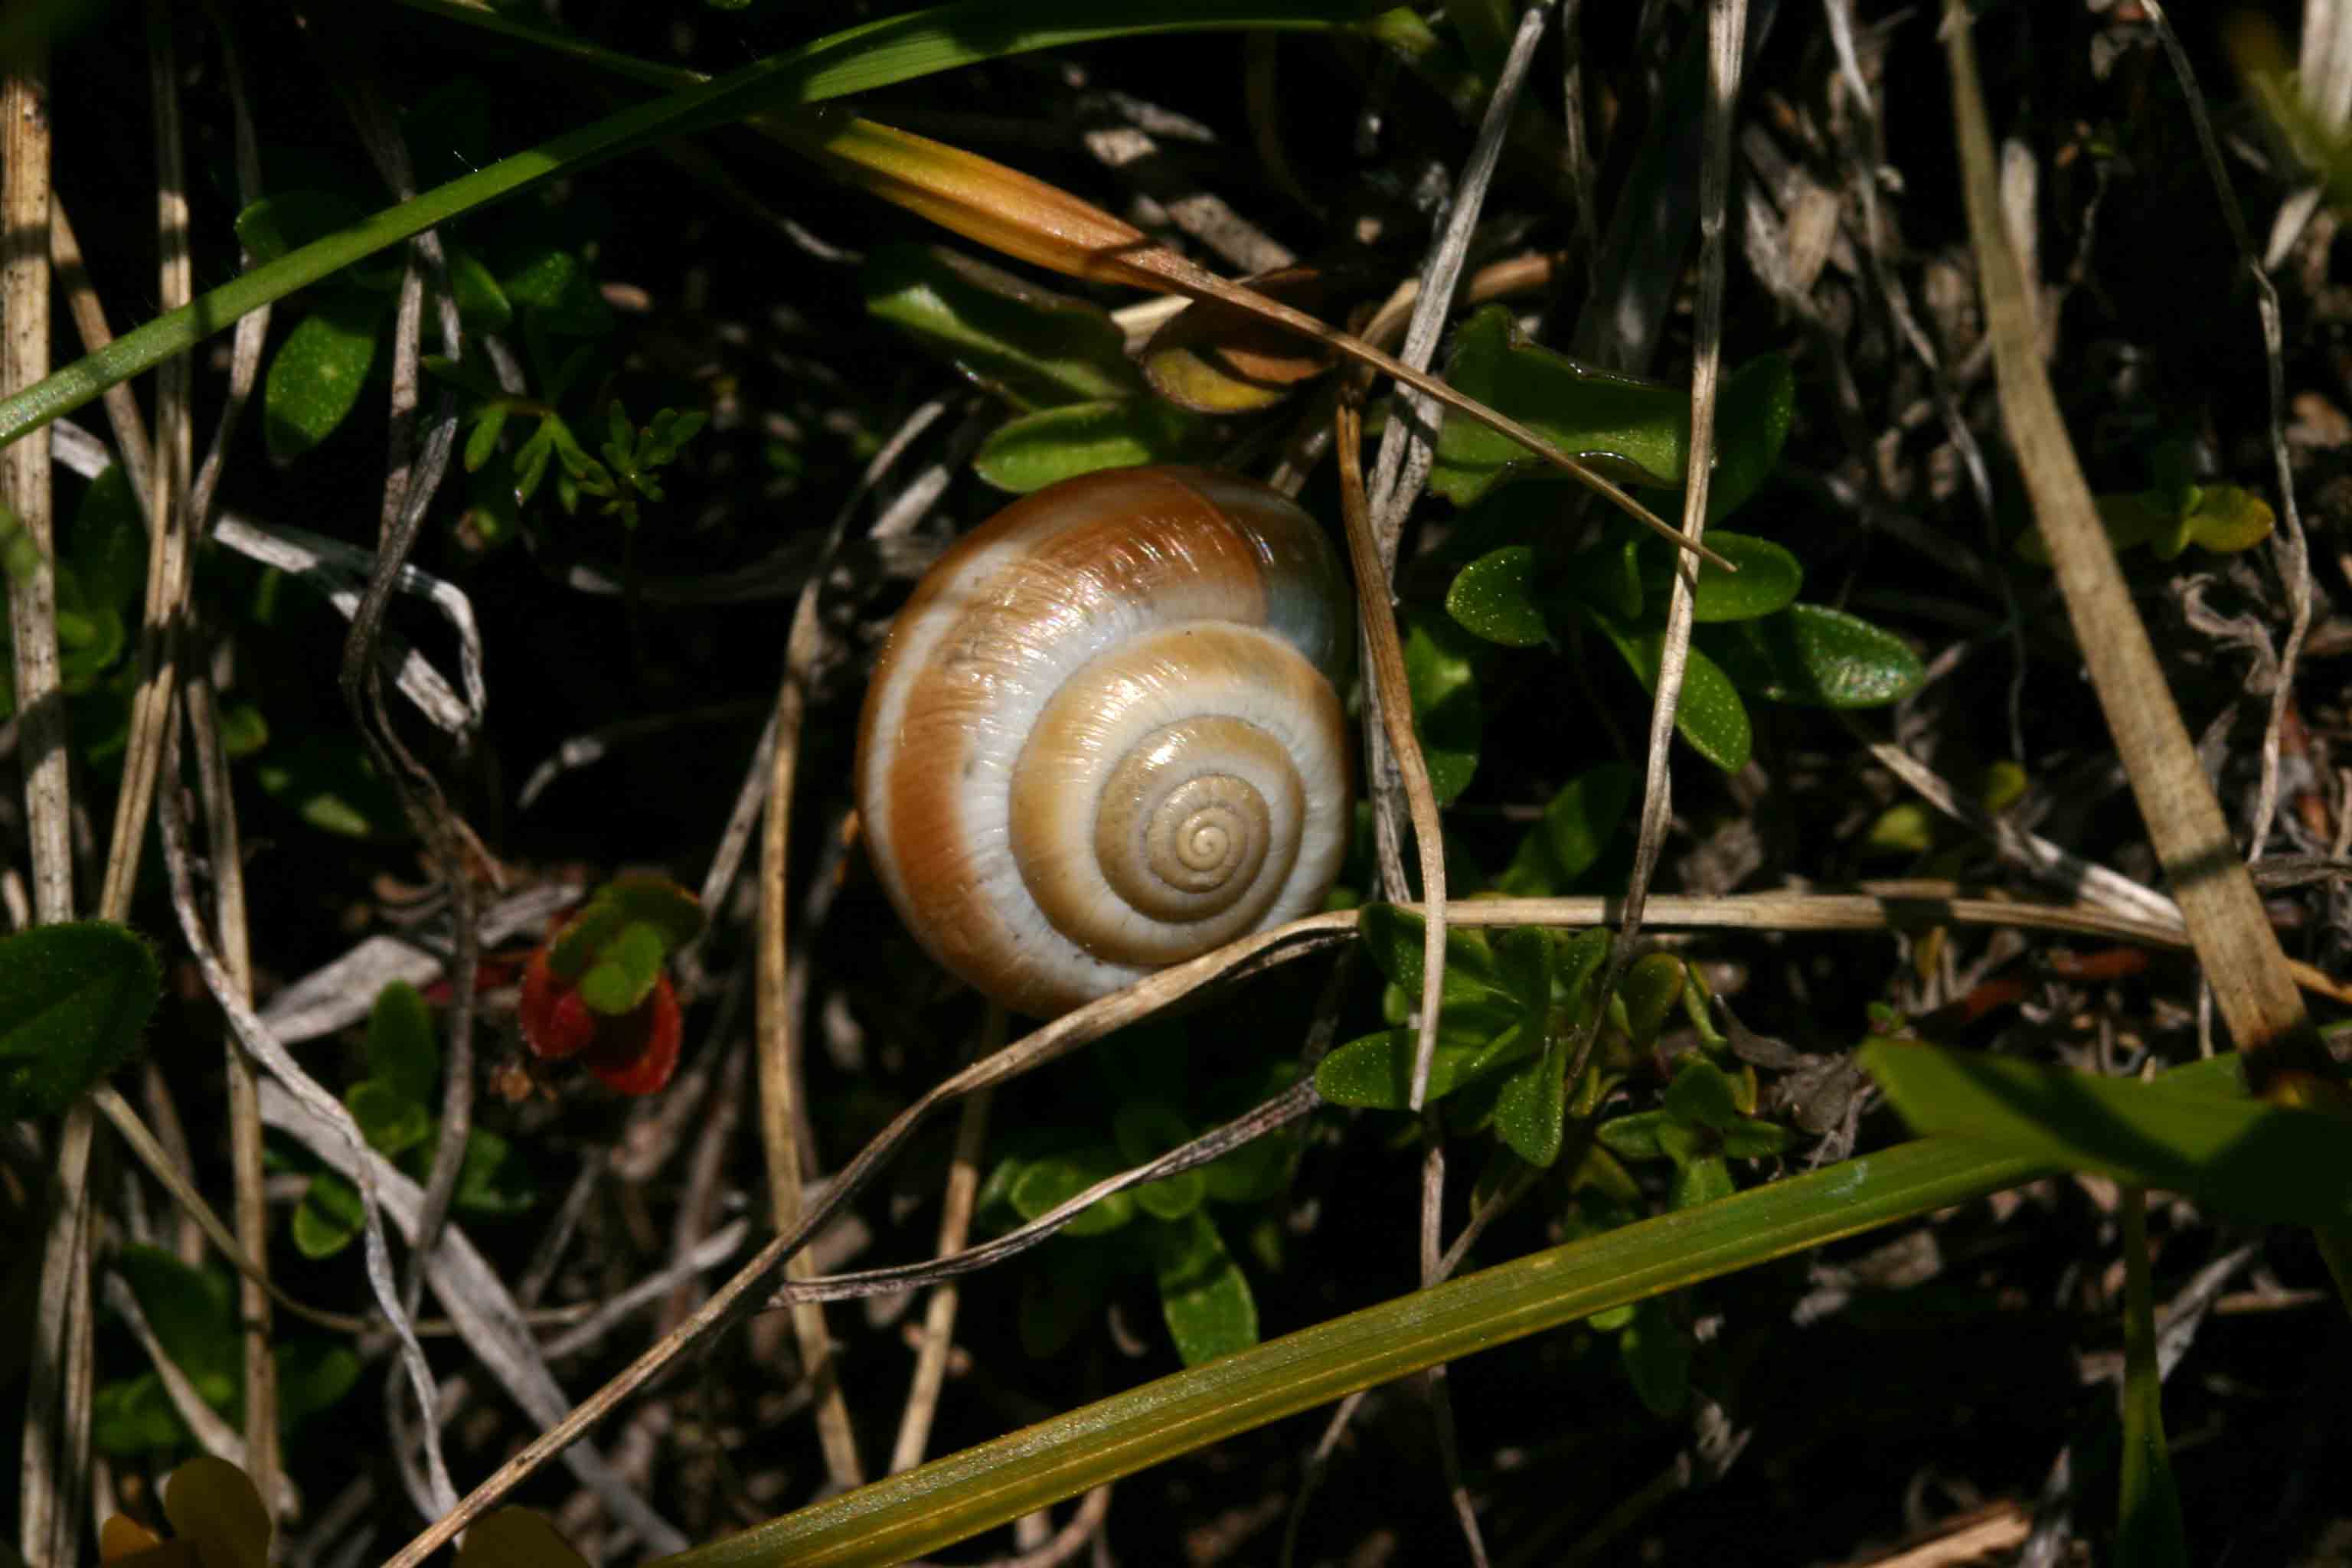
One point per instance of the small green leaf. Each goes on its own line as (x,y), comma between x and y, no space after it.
(315,379)
(193,1317)
(109,543)
(1494,598)
(1700,1094)
(333,788)
(20,553)
(1817,656)
(313,1375)
(1700,1179)
(1579,964)
(1656,1351)
(541,277)
(1748,1139)
(2242,1156)
(1255,1172)
(482,441)
(1035,348)
(1532,1105)
(1447,718)
(1752,424)
(1046,1185)
(1711,717)
(1651,986)
(1396,939)
(2229,518)
(1768,578)
(1376,1072)
(481,303)
(625,970)
(674,913)
(392,1121)
(1035,450)
(400,1048)
(1907,827)
(1203,1294)
(1533,1100)
(73,1000)
(132,1416)
(1579,821)
(1633,430)
(492,1179)
(1143,1131)
(329,1217)
(1636,432)
(1635,1137)
(243,729)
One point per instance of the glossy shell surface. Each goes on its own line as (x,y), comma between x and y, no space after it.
(1105,735)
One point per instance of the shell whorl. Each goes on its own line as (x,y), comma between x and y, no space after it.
(1105,735)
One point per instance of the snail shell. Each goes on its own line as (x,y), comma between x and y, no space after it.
(1104,734)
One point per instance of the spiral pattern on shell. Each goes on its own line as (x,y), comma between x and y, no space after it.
(1104,734)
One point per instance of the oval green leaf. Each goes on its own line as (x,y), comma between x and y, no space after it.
(1712,717)
(1817,657)
(1046,1185)
(1768,578)
(315,380)
(1375,1072)
(1204,1294)
(1579,821)
(1035,347)
(401,1051)
(626,969)
(1445,712)
(1494,598)
(1055,444)
(73,1000)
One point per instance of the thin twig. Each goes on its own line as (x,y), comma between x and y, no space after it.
(169,556)
(1393,699)
(256,1039)
(89,323)
(57,1398)
(778,1032)
(1726,23)
(2226,922)
(226,845)
(955,1227)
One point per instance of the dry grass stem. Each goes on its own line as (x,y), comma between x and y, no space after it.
(955,1228)
(88,314)
(2227,925)
(1391,703)
(783,1114)
(256,1039)
(1726,25)
(170,549)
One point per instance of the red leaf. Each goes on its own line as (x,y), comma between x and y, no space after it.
(637,1052)
(555,1022)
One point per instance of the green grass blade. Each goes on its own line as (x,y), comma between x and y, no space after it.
(2148,1516)
(2246,1157)
(857,59)
(958,1497)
